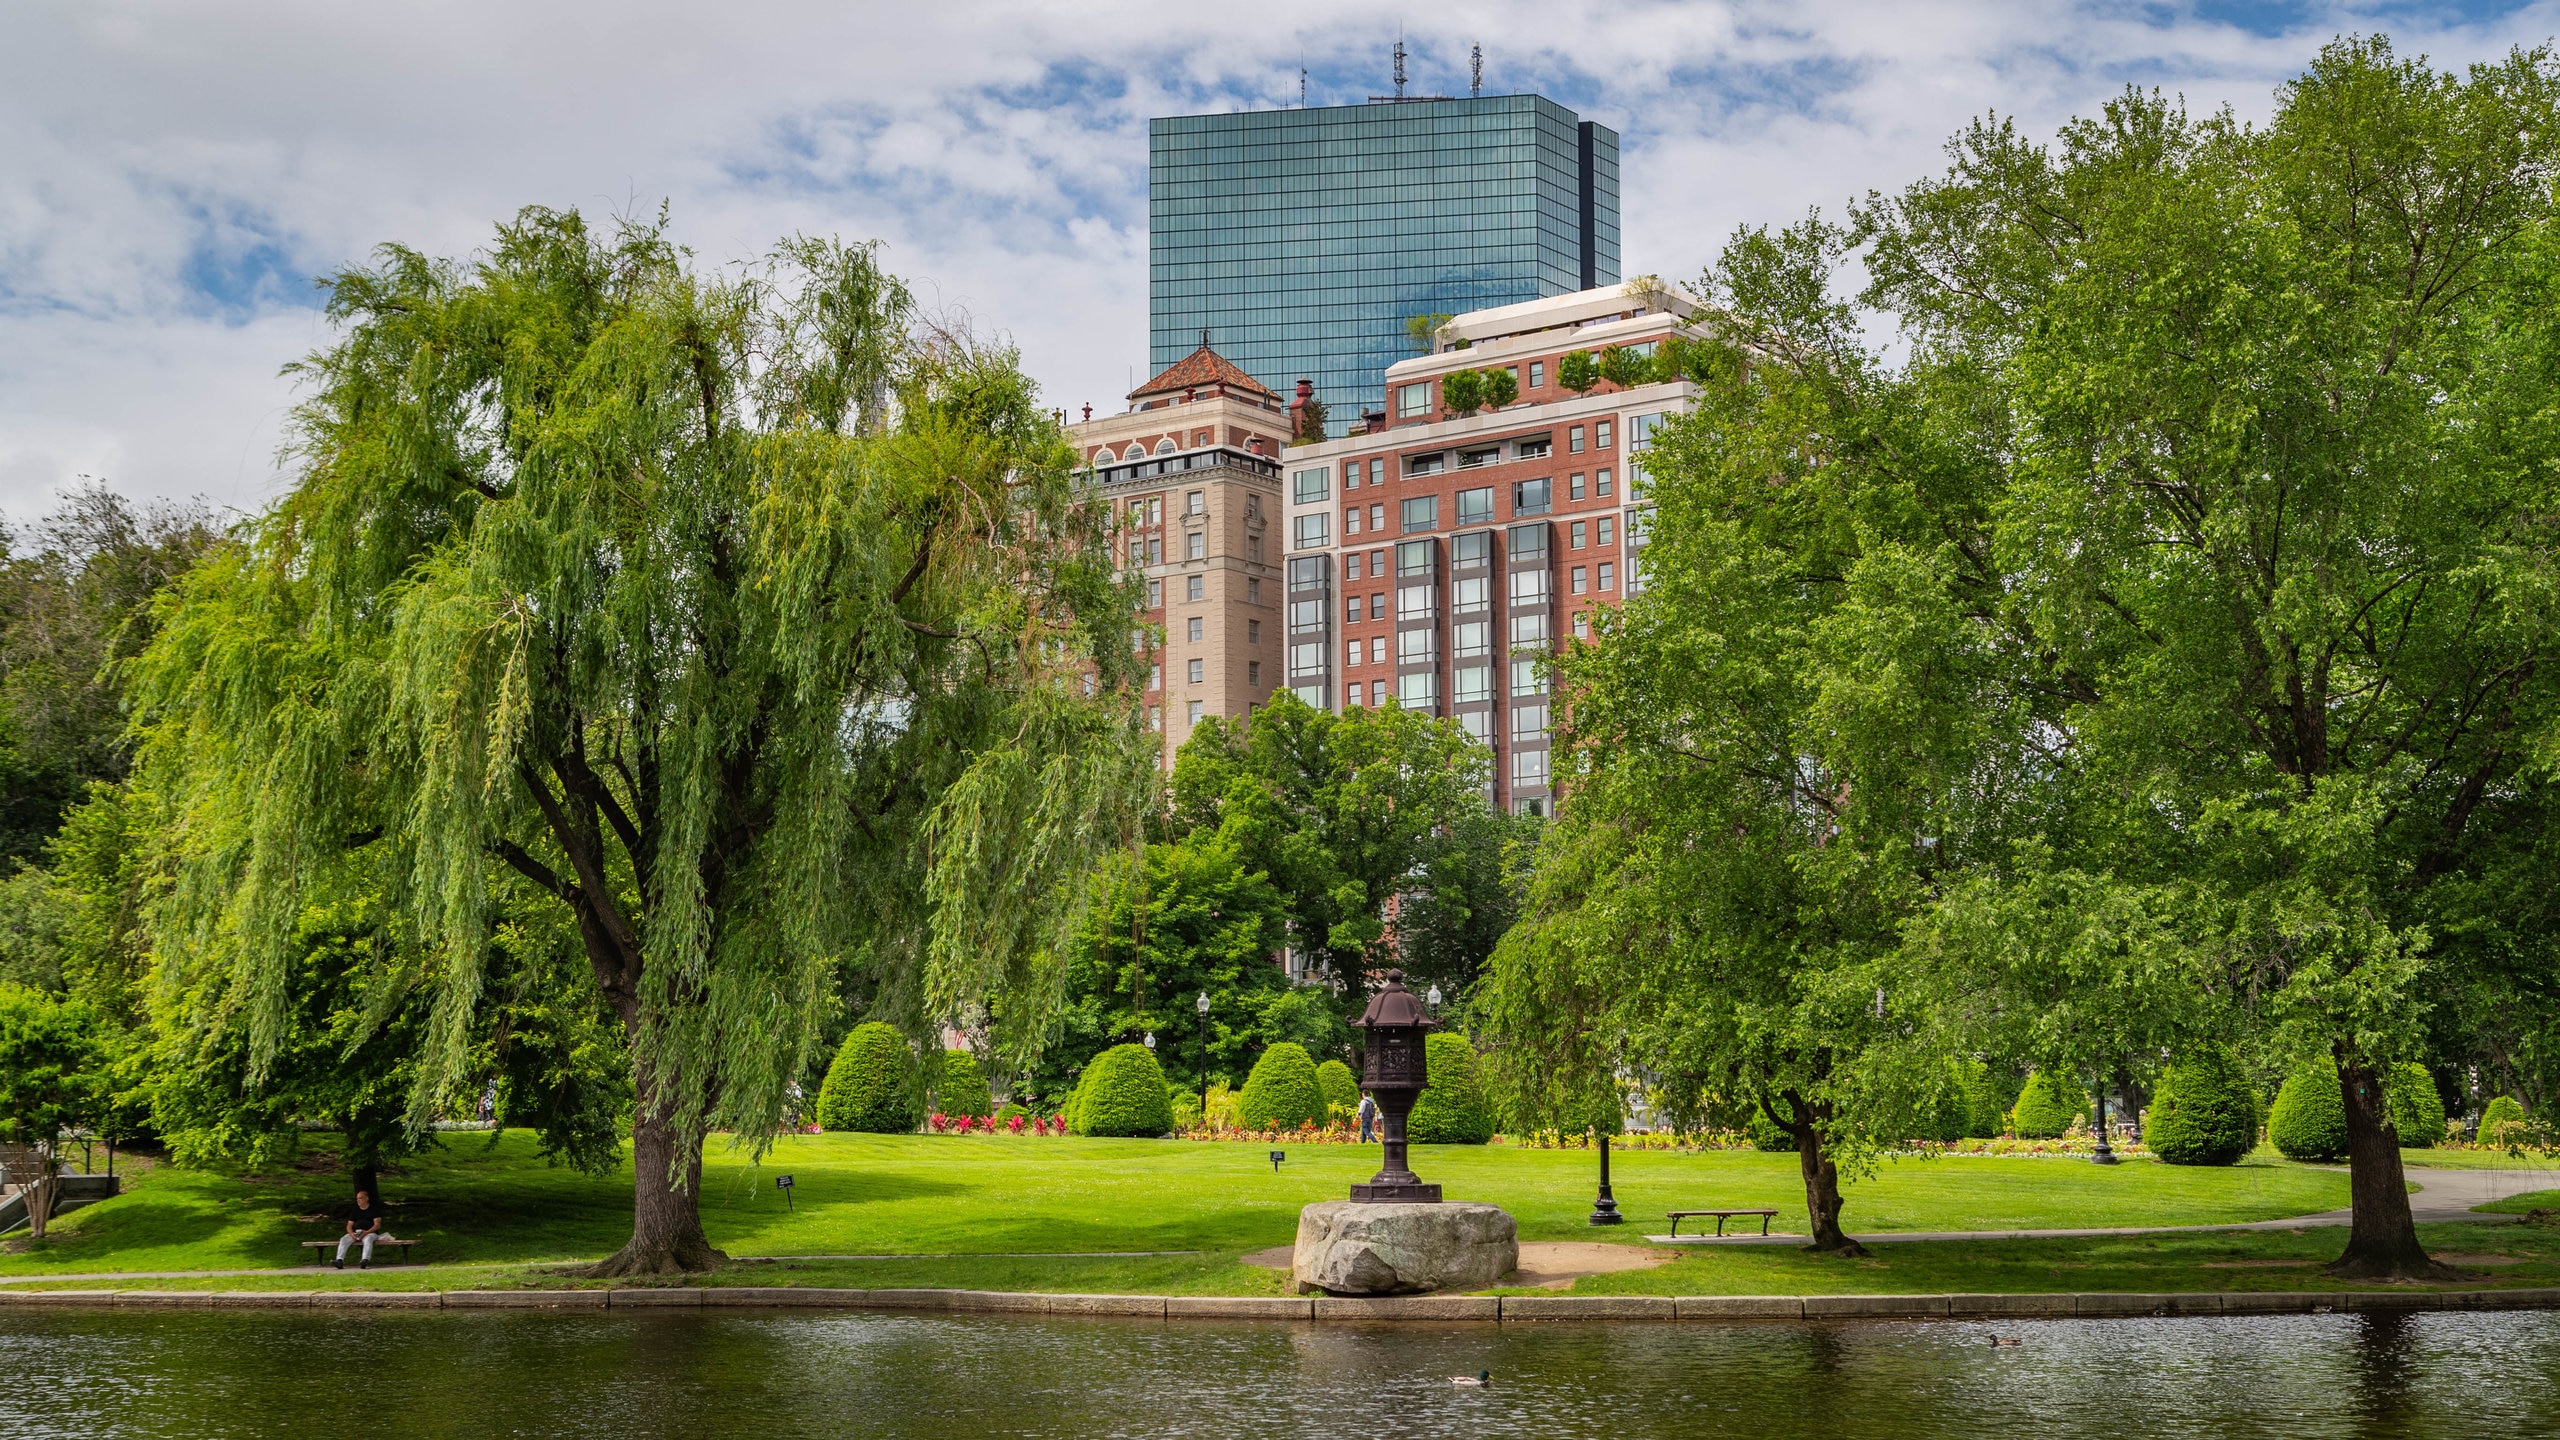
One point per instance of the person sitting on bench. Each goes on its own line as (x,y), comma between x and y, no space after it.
(364,1222)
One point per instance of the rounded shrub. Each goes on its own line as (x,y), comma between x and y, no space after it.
(871,1085)
(2048,1105)
(2417,1109)
(962,1088)
(1122,1093)
(2309,1121)
(2201,1111)
(1283,1092)
(1452,1111)
(2502,1113)
(1341,1088)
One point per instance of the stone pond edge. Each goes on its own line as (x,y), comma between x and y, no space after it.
(1408,1308)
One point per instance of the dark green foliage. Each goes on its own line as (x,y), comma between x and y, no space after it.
(1341,1087)
(1452,1111)
(1576,372)
(1424,330)
(1501,387)
(1956,1110)
(2048,1105)
(1625,368)
(1462,391)
(1983,1101)
(961,1087)
(2202,1111)
(1123,1092)
(872,1086)
(1765,1134)
(2309,1121)
(1466,897)
(1283,1091)
(2417,1111)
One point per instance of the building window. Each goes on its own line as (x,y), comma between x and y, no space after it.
(1378,606)
(1155,594)
(1253,588)
(1537,374)
(1165,446)
(1306,571)
(1351,609)
(1529,768)
(1473,684)
(1529,722)
(1528,540)
(1417,647)
(1377,649)
(1577,535)
(1600,439)
(1350,478)
(1419,465)
(1473,640)
(1377,517)
(1195,546)
(1412,400)
(1253,632)
(1310,485)
(1419,691)
(1155,677)
(1581,625)
(1477,459)
(1608,574)
(1137,550)
(1479,726)
(1195,671)
(1351,566)
(1253,548)
(1529,497)
(1578,577)
(1422,512)
(1600,484)
(1524,679)
(1377,563)
(1378,471)
(1377,694)
(1155,718)
(1417,602)
(1351,655)
(1537,449)
(1528,587)
(1200,437)
(1194,587)
(1470,593)
(1191,632)
(1608,531)
(1528,632)
(1192,712)
(1314,532)
(1573,488)
(1573,440)
(1253,673)
(1475,507)
(1155,549)
(1351,520)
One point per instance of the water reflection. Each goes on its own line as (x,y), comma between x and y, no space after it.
(769,1375)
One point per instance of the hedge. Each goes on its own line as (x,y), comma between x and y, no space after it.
(962,1087)
(2501,1110)
(871,1086)
(1122,1093)
(2309,1121)
(2417,1109)
(1283,1091)
(1452,1111)
(1341,1088)
(2201,1111)
(2047,1106)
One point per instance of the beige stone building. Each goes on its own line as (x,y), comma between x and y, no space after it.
(1192,469)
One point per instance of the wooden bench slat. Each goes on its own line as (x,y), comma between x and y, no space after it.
(1676,1216)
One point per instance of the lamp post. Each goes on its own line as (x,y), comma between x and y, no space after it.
(2105,1154)
(1202,1005)
(1395,1070)
(1604,1210)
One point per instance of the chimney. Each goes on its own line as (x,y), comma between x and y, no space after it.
(1298,407)
(1373,422)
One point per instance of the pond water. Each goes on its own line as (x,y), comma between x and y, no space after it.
(760,1375)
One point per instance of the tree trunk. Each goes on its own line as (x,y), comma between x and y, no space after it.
(2382,1237)
(367,1175)
(40,1195)
(666,1210)
(1821,1178)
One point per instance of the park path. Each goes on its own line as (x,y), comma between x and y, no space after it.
(2442,1195)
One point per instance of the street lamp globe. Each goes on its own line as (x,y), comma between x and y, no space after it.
(1202,1004)
(1434,997)
(1151,1039)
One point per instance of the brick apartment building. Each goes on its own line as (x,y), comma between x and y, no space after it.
(1435,557)
(1192,470)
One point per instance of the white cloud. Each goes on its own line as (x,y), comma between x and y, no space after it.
(172,174)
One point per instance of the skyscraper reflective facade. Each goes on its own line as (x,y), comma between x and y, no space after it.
(1302,240)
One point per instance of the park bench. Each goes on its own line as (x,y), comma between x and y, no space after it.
(380,1244)
(1721,1216)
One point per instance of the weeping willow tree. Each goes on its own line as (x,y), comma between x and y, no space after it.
(746,618)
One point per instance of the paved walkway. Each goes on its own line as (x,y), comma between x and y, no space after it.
(2442,1195)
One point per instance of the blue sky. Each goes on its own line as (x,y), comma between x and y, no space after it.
(172,176)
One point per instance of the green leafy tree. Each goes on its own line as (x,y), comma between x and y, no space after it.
(1312,418)
(1465,898)
(1462,392)
(52,1079)
(2299,634)
(1623,367)
(1501,387)
(2050,1105)
(2501,1121)
(2309,1118)
(1341,1088)
(2202,1111)
(2417,1111)
(1341,812)
(632,581)
(1424,331)
(1577,371)
(1283,1091)
(961,1088)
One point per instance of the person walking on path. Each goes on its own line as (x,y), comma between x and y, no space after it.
(1368,1116)
(364,1222)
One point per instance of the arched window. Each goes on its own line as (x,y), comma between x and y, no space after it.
(1137,450)
(1164,447)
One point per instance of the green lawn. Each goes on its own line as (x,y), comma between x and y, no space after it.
(983,1195)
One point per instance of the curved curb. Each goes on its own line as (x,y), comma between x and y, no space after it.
(1431,1308)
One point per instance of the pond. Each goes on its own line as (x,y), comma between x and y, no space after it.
(761,1375)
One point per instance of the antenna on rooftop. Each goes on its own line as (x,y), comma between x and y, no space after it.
(1302,87)
(1399,67)
(1475,66)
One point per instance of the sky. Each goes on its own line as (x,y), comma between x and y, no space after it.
(174,177)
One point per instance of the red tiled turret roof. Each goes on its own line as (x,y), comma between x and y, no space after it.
(1199,370)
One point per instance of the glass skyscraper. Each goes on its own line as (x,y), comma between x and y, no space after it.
(1302,240)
